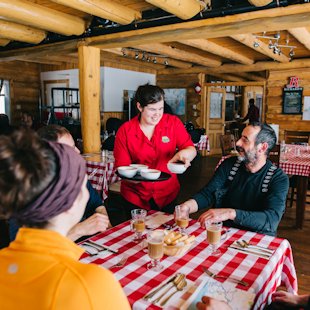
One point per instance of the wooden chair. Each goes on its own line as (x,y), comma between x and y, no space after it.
(274,155)
(228,144)
(296,136)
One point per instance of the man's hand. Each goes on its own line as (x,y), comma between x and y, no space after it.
(217,215)
(290,300)
(208,303)
(103,210)
(96,223)
(191,204)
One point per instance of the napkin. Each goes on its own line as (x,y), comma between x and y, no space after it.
(91,250)
(236,298)
(154,221)
(250,251)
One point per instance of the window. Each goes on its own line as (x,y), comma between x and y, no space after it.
(4,97)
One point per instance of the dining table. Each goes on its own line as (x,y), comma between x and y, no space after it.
(295,160)
(263,275)
(100,171)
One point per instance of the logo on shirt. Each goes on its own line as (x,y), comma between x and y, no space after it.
(165,139)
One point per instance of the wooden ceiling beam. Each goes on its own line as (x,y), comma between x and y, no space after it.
(211,47)
(258,21)
(250,76)
(4,42)
(226,77)
(251,41)
(16,32)
(105,9)
(233,68)
(184,9)
(42,17)
(159,60)
(302,35)
(179,54)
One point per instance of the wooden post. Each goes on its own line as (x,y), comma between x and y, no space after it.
(89,81)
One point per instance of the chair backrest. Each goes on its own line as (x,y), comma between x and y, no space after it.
(196,134)
(296,136)
(113,124)
(274,155)
(228,143)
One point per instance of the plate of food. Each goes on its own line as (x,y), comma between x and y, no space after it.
(177,244)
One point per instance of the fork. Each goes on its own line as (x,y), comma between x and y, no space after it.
(214,276)
(120,263)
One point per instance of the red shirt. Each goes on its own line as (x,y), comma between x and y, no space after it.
(133,147)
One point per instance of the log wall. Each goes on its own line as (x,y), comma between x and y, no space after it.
(276,82)
(24,80)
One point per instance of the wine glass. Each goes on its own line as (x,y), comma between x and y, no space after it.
(138,223)
(214,235)
(155,244)
(182,217)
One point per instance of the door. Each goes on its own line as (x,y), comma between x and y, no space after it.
(215,116)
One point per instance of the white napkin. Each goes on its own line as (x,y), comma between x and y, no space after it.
(91,250)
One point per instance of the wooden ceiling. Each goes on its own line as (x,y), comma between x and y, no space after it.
(216,45)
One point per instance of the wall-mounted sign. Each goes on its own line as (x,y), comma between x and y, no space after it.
(292,100)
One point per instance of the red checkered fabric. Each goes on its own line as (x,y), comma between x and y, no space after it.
(101,175)
(296,160)
(203,143)
(263,275)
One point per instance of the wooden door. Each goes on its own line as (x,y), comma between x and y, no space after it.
(214,116)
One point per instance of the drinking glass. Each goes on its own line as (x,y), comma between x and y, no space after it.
(155,244)
(138,223)
(182,217)
(214,235)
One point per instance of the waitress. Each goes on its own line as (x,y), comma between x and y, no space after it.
(152,138)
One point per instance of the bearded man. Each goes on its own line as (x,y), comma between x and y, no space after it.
(248,191)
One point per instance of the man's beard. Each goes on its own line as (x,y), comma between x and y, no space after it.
(249,157)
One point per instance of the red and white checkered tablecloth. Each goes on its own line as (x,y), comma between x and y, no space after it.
(101,175)
(263,275)
(296,160)
(203,143)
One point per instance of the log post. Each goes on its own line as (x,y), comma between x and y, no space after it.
(89,81)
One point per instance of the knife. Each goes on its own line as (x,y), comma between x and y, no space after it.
(251,252)
(100,247)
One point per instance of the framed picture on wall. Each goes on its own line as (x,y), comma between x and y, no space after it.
(292,100)
(176,98)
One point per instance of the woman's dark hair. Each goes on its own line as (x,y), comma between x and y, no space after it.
(266,134)
(52,132)
(148,94)
(27,166)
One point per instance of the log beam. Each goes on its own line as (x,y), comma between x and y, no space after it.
(21,33)
(89,81)
(38,16)
(107,9)
(233,68)
(4,42)
(302,35)
(184,9)
(272,19)
(251,41)
(211,47)
(179,54)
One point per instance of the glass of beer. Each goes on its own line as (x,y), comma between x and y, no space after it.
(155,245)
(182,217)
(214,235)
(138,223)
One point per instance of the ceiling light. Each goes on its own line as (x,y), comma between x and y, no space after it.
(256,44)
(154,60)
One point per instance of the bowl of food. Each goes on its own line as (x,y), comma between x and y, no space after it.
(178,168)
(139,167)
(150,174)
(177,244)
(127,171)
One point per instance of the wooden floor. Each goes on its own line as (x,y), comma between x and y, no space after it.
(200,172)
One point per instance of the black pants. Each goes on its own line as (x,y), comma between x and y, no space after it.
(128,206)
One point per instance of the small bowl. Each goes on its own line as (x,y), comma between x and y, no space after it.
(127,171)
(150,174)
(178,168)
(139,167)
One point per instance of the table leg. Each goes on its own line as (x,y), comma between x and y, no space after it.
(302,186)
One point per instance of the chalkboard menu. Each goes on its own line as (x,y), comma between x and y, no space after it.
(292,100)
